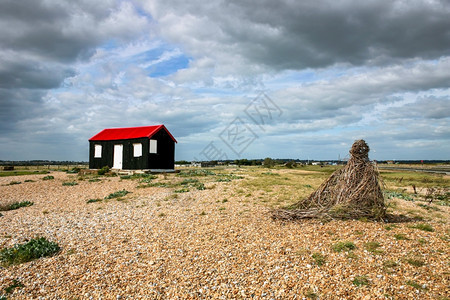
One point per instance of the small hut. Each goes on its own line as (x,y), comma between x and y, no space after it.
(133,148)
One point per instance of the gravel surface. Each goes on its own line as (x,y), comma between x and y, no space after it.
(213,244)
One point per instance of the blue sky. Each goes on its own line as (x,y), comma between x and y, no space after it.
(320,74)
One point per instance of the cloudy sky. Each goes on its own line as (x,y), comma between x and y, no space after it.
(229,79)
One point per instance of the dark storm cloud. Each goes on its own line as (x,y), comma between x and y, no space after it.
(302,34)
(31,74)
(41,43)
(58,31)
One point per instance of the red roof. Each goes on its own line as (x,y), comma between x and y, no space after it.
(110,134)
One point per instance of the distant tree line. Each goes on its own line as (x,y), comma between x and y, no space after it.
(41,162)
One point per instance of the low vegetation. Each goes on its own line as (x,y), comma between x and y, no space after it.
(15,205)
(400,237)
(415,285)
(424,227)
(195,172)
(103,171)
(94,200)
(373,247)
(15,182)
(22,172)
(10,289)
(318,258)
(343,246)
(360,280)
(72,183)
(33,249)
(117,194)
(416,262)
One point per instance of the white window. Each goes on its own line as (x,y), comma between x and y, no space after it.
(153,146)
(137,150)
(98,151)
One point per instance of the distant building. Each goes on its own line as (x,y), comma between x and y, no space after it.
(133,148)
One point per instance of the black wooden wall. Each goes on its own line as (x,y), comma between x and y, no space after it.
(165,156)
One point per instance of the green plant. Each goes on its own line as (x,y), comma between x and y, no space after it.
(422,241)
(227,177)
(360,280)
(189,181)
(318,258)
(428,207)
(194,183)
(17,205)
(155,184)
(94,180)
(70,183)
(16,284)
(117,194)
(94,200)
(400,195)
(390,264)
(373,247)
(424,227)
(74,170)
(200,186)
(415,285)
(15,182)
(103,170)
(344,245)
(48,177)
(183,190)
(29,251)
(29,180)
(223,180)
(400,237)
(199,172)
(19,173)
(311,295)
(390,227)
(148,178)
(416,262)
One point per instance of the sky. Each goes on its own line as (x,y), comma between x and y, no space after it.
(229,79)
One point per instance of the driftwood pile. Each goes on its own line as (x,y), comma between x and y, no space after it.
(352,192)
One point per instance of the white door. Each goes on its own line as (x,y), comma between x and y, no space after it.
(118,157)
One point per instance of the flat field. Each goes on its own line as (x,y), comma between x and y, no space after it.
(207,233)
